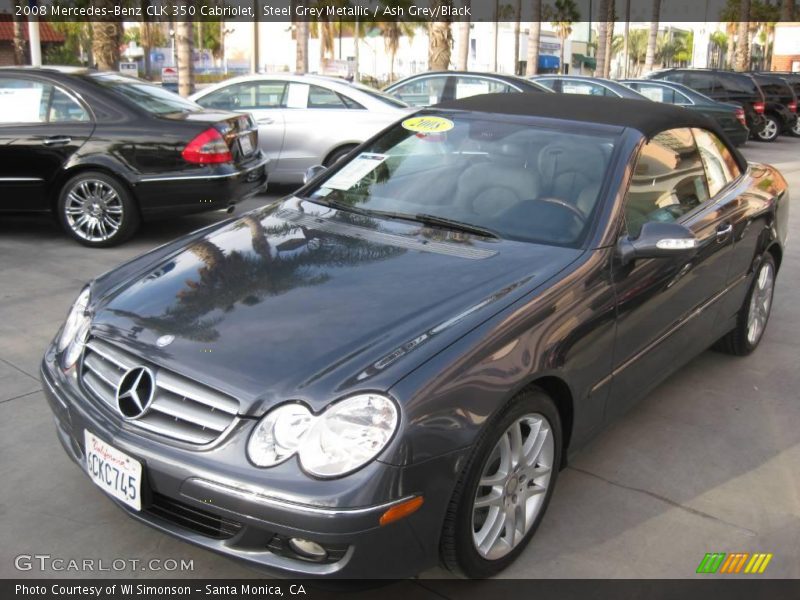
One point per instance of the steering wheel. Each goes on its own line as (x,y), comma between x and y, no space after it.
(575,211)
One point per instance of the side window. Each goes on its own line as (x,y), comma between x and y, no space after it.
(586,88)
(702,82)
(721,167)
(320,97)
(657,93)
(676,76)
(246,96)
(669,180)
(472,86)
(64,109)
(548,83)
(421,92)
(24,101)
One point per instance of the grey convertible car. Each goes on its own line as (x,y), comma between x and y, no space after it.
(387,369)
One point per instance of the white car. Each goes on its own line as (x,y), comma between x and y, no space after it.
(304,120)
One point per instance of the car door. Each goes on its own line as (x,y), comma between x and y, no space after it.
(265,99)
(666,307)
(41,126)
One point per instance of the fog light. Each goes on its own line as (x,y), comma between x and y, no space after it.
(307,549)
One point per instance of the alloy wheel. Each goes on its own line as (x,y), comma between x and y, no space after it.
(769,131)
(760,303)
(512,487)
(796,128)
(93,210)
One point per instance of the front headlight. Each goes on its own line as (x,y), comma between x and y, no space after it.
(75,329)
(342,439)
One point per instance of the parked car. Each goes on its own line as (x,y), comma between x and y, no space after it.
(723,86)
(793,79)
(304,120)
(780,109)
(104,151)
(388,368)
(588,86)
(729,116)
(433,87)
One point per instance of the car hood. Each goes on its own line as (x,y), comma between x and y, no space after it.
(300,301)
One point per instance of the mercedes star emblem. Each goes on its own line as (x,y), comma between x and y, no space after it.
(135,392)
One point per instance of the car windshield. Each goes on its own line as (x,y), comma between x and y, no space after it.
(507,177)
(152,98)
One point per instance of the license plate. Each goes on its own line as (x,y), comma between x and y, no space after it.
(245,144)
(113,471)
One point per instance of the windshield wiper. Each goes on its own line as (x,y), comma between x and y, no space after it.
(453,224)
(419,218)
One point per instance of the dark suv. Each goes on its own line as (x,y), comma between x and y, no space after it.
(725,86)
(780,110)
(793,79)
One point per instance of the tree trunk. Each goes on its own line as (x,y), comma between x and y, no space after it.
(787,11)
(534,33)
(650,56)
(729,52)
(185,64)
(106,37)
(495,31)
(19,38)
(602,26)
(609,36)
(440,40)
(517,29)
(743,35)
(462,44)
(356,40)
(301,55)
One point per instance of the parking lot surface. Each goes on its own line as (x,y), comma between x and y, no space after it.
(707,463)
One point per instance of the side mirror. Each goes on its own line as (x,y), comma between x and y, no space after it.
(312,172)
(658,240)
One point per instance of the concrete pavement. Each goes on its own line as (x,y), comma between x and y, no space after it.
(708,463)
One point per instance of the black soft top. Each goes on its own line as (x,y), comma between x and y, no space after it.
(645,116)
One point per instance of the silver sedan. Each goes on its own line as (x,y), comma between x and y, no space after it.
(304,120)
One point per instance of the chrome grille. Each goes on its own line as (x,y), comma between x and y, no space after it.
(182,409)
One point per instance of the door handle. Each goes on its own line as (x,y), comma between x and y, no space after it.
(265,120)
(724,231)
(58,140)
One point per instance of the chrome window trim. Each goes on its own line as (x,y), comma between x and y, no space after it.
(155,178)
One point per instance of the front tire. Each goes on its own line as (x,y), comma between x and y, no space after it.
(754,314)
(97,210)
(504,490)
(770,131)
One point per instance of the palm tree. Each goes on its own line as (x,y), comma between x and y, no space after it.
(602,32)
(719,42)
(392,32)
(787,10)
(534,33)
(184,45)
(106,38)
(563,15)
(517,29)
(19,36)
(462,43)
(611,19)
(743,42)
(440,40)
(650,57)
(301,34)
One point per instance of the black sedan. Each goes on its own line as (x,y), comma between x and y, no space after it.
(433,87)
(388,368)
(104,151)
(730,117)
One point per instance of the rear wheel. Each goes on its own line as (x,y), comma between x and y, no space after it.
(754,314)
(504,490)
(336,155)
(97,210)
(770,131)
(796,128)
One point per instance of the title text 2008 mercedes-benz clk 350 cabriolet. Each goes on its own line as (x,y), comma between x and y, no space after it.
(385,370)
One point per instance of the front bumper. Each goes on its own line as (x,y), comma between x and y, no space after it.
(204,498)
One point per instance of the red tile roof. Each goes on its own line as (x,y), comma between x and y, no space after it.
(46,32)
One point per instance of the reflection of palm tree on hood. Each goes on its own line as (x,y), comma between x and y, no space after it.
(225,279)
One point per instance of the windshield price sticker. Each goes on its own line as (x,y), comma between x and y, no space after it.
(428,124)
(354,171)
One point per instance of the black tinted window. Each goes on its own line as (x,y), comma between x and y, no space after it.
(669,180)
(738,84)
(705,83)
